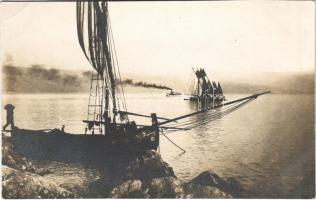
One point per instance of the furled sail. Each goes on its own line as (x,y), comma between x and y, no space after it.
(215,87)
(92,33)
(220,90)
(210,86)
(94,37)
(200,73)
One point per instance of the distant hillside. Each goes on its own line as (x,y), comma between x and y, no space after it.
(285,83)
(300,83)
(37,79)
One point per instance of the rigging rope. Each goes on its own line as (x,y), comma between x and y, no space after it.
(211,112)
(219,115)
(192,123)
(117,64)
(172,142)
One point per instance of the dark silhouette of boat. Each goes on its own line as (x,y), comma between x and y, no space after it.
(108,128)
(58,145)
(206,93)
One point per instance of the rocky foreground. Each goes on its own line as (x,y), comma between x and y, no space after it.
(145,176)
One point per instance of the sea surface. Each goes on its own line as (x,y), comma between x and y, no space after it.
(268,145)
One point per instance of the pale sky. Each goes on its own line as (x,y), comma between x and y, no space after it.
(170,37)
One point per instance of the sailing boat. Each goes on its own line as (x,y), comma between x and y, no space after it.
(207,93)
(116,133)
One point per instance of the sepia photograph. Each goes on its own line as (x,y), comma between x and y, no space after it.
(157,99)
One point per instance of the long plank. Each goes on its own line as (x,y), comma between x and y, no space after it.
(205,110)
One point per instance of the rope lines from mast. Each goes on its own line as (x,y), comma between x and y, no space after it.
(193,122)
(95,102)
(172,142)
(214,115)
(207,116)
(117,64)
(96,39)
(211,113)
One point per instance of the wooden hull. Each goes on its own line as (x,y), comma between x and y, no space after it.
(64,146)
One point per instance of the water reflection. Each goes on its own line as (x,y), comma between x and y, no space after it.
(268,144)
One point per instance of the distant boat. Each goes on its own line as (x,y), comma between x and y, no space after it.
(206,93)
(173,93)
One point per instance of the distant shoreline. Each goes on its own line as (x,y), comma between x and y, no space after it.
(39,80)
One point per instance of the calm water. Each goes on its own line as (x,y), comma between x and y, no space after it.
(268,145)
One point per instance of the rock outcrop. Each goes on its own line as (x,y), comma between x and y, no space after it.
(228,185)
(16,161)
(166,187)
(129,189)
(16,184)
(13,159)
(143,176)
(148,166)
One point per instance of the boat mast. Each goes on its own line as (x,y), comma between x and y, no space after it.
(109,60)
(95,40)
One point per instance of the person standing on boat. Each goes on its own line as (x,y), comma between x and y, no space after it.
(10,120)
